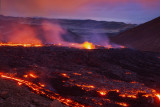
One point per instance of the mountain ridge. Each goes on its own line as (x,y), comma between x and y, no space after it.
(145,37)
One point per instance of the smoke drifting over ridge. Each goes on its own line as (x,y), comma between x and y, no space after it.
(53,33)
(23,34)
(28,33)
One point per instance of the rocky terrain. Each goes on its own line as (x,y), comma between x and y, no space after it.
(49,75)
(114,77)
(145,37)
(12,95)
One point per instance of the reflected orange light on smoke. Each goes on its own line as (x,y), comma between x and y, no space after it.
(42,7)
(109,47)
(88,45)
(122,47)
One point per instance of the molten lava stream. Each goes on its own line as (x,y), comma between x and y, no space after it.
(24,45)
(85,45)
(88,45)
(42,91)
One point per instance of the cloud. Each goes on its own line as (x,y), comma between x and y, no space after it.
(37,6)
(72,8)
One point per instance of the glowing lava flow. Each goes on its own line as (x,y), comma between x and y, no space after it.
(32,75)
(24,45)
(122,104)
(88,45)
(103,93)
(158,95)
(40,90)
(85,45)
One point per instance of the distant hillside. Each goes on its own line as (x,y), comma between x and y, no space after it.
(90,27)
(145,37)
(77,30)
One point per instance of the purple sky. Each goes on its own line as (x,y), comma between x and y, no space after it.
(130,11)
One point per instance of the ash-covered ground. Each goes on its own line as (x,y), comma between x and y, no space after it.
(98,77)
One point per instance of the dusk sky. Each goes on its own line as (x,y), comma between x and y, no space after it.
(129,11)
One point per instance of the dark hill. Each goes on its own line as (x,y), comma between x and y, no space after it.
(145,37)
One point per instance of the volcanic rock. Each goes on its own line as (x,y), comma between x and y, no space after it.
(78,74)
(12,95)
(56,103)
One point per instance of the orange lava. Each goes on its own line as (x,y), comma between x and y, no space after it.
(42,85)
(65,75)
(33,75)
(41,90)
(88,45)
(19,83)
(158,95)
(85,45)
(77,74)
(85,86)
(102,93)
(129,96)
(25,76)
(24,45)
(123,104)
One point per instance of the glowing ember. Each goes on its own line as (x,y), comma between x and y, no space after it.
(88,45)
(132,96)
(103,93)
(129,96)
(85,86)
(158,95)
(77,74)
(33,75)
(42,85)
(65,75)
(123,104)
(25,76)
(19,83)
